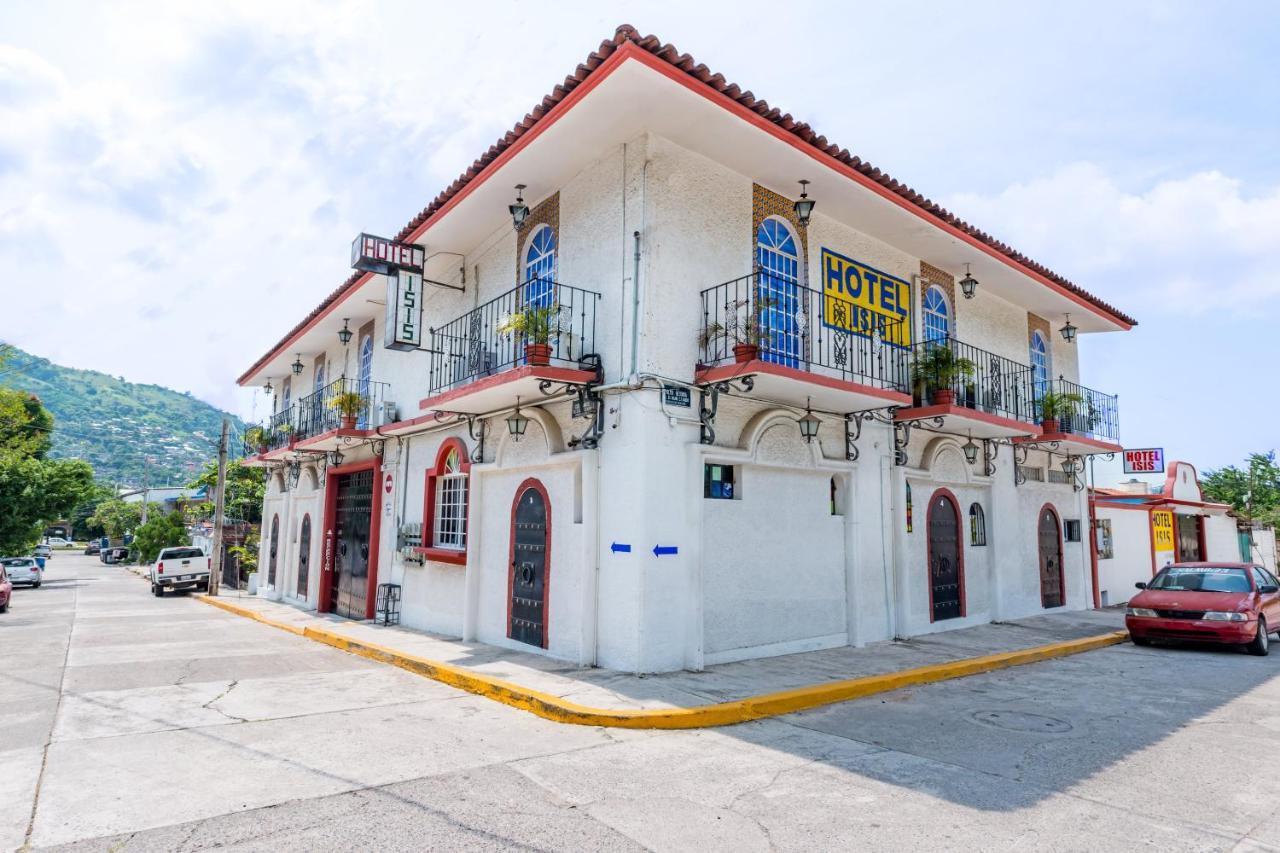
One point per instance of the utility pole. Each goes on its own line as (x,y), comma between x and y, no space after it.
(219,511)
(146,481)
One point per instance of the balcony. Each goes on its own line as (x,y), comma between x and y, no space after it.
(342,410)
(977,393)
(1087,421)
(519,345)
(801,346)
(268,441)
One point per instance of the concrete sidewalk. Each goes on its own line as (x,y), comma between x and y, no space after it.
(603,689)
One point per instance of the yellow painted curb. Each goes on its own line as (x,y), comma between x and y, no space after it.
(702,716)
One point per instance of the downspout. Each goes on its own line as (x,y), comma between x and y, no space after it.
(635,306)
(1093,539)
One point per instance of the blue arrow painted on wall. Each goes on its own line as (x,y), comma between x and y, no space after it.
(618,547)
(660,550)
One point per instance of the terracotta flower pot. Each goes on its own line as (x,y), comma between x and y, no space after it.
(537,354)
(348,421)
(943,396)
(743,353)
(262,449)
(1049,425)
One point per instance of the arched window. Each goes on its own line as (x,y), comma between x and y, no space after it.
(286,394)
(445,513)
(977,525)
(937,315)
(274,547)
(319,380)
(837,497)
(313,415)
(304,555)
(778,293)
(909,519)
(1039,363)
(540,268)
(364,375)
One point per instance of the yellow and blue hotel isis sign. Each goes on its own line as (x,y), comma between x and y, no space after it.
(864,301)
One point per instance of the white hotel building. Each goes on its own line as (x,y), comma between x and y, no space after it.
(750,435)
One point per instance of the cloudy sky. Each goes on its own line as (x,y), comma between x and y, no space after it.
(179,183)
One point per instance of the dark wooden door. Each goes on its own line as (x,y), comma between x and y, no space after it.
(351,531)
(1188,528)
(274,547)
(1050,560)
(304,556)
(528,583)
(944,558)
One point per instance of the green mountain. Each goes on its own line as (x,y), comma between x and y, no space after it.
(117,425)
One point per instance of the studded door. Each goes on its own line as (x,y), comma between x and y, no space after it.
(944,558)
(529,532)
(304,556)
(1050,560)
(274,546)
(351,533)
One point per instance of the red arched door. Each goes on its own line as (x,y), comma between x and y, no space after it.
(530,561)
(1051,591)
(946,566)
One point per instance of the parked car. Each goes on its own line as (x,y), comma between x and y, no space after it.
(58,542)
(6,591)
(43,551)
(23,570)
(1212,602)
(184,567)
(92,548)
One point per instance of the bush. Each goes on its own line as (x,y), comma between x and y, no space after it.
(160,532)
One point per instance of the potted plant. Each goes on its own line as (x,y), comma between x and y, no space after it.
(744,325)
(936,371)
(1055,407)
(348,405)
(256,436)
(284,430)
(537,325)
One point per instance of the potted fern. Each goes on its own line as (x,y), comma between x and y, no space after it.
(1056,407)
(536,325)
(348,405)
(936,371)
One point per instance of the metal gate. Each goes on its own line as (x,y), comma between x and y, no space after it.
(304,556)
(1188,539)
(1050,560)
(528,583)
(353,515)
(944,558)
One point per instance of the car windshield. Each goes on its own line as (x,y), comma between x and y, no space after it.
(17,562)
(1202,579)
(181,553)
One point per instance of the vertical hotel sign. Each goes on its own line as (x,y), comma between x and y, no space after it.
(1162,537)
(864,301)
(402,264)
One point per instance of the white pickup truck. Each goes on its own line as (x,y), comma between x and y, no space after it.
(184,567)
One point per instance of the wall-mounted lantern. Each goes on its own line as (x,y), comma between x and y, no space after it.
(808,424)
(968,284)
(344,334)
(1068,331)
(296,367)
(335,458)
(267,389)
(970,450)
(517,422)
(519,210)
(804,205)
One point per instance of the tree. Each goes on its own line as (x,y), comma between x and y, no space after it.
(162,530)
(34,492)
(82,512)
(246,488)
(26,427)
(117,517)
(1253,491)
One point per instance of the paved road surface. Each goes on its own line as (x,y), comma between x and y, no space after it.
(131,723)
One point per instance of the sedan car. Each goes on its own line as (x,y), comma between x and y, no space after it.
(1235,603)
(23,570)
(43,551)
(6,591)
(92,548)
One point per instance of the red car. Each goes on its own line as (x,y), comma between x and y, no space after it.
(1211,602)
(6,590)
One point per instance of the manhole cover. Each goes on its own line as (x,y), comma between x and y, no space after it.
(1018,721)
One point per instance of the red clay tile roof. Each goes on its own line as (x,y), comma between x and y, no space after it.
(696,70)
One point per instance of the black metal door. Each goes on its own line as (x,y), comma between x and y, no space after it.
(1050,560)
(304,555)
(1188,539)
(944,558)
(529,570)
(275,548)
(351,532)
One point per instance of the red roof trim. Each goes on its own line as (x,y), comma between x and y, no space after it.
(627,42)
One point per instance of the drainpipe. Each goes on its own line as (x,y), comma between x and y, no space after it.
(635,305)
(1093,539)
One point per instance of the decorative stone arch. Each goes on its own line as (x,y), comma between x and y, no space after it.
(553,437)
(943,458)
(277,481)
(753,432)
(311,478)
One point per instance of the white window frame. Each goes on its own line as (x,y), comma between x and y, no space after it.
(449,522)
(929,313)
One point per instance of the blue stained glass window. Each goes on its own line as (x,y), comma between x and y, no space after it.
(540,268)
(1039,363)
(778,293)
(937,315)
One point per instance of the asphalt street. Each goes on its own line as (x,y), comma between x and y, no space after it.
(134,723)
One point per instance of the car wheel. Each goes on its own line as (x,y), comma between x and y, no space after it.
(36,585)
(4,608)
(157,591)
(1140,641)
(1261,644)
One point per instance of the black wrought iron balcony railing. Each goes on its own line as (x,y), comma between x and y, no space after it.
(975,378)
(342,404)
(767,317)
(1083,411)
(540,322)
(272,434)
